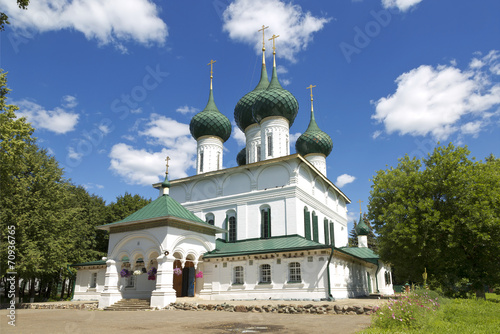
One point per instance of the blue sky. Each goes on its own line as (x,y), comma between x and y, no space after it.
(111,86)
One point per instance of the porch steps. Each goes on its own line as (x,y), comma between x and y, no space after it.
(130,305)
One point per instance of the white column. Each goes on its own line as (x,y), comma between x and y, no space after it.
(318,161)
(252,135)
(209,156)
(164,293)
(110,294)
(274,134)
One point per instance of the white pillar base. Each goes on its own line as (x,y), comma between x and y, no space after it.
(109,298)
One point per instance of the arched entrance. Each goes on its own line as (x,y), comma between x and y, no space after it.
(184,279)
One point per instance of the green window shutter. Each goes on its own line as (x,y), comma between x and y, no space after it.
(315,228)
(307,224)
(332,234)
(326,229)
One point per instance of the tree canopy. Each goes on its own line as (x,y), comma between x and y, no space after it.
(4,19)
(441,213)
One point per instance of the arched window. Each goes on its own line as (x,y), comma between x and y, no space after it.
(259,158)
(232,229)
(231,226)
(265,274)
(238,275)
(265,222)
(294,275)
(269,145)
(201,162)
(307,224)
(210,218)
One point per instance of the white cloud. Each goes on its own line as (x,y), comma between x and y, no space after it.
(72,154)
(57,120)
(243,18)
(402,5)
(69,102)
(293,138)
(187,110)
(110,21)
(128,137)
(143,166)
(136,111)
(104,129)
(238,135)
(285,82)
(88,186)
(344,179)
(436,100)
(376,134)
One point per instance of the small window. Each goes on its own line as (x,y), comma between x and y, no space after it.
(224,264)
(294,275)
(309,259)
(201,162)
(258,153)
(250,262)
(265,274)
(232,229)
(265,222)
(218,160)
(238,275)
(210,219)
(93,280)
(269,145)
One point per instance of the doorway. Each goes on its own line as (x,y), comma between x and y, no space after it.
(184,284)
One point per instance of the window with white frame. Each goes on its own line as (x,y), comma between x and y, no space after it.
(265,274)
(93,280)
(294,275)
(130,281)
(238,275)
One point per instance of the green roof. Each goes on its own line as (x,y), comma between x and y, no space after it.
(258,246)
(363,253)
(361,227)
(243,109)
(241,157)
(275,101)
(313,140)
(163,206)
(92,263)
(210,122)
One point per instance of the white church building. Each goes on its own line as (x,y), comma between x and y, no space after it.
(274,227)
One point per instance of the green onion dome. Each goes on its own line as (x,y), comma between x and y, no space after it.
(313,140)
(210,122)
(243,110)
(241,158)
(361,227)
(275,101)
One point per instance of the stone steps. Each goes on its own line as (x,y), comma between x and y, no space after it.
(130,305)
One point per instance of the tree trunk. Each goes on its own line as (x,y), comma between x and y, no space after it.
(32,289)
(17,289)
(63,285)
(480,294)
(21,291)
(49,289)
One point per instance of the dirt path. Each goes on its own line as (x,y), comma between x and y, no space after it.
(95,322)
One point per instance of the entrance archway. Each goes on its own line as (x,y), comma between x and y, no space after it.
(184,283)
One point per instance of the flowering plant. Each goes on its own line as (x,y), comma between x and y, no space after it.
(137,272)
(125,273)
(152,274)
(199,274)
(177,271)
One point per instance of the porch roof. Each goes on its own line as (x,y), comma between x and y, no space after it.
(164,207)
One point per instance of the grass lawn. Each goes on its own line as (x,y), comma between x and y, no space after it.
(452,316)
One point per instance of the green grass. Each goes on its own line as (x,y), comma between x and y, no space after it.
(452,316)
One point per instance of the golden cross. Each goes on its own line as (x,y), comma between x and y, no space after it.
(211,67)
(167,160)
(263,37)
(360,201)
(274,42)
(311,88)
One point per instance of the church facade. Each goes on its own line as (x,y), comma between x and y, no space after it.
(274,227)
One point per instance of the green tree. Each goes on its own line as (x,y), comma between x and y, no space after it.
(4,19)
(441,213)
(124,206)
